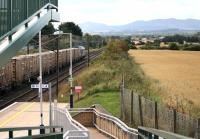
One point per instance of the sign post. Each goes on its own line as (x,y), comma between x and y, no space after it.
(78,90)
(40,87)
(50,106)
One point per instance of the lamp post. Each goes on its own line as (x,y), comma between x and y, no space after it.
(70,73)
(40,83)
(71,67)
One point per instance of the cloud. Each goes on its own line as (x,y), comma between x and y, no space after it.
(117,12)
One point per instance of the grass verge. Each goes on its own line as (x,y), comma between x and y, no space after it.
(109,100)
(101,81)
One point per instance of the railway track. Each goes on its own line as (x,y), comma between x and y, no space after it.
(28,94)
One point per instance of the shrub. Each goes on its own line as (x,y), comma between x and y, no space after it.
(117,46)
(192,47)
(173,46)
(149,47)
(132,46)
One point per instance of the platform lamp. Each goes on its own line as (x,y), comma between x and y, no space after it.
(70,69)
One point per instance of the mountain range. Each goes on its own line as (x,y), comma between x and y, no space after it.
(171,25)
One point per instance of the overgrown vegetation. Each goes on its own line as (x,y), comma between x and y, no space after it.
(103,78)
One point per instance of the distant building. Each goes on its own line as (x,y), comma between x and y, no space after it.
(163,45)
(142,40)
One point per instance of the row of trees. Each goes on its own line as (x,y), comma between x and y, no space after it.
(93,41)
(65,27)
(180,38)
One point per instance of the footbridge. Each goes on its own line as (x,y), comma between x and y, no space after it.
(20,21)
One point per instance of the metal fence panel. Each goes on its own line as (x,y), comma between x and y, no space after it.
(165,118)
(148,111)
(186,125)
(4,16)
(136,115)
(168,119)
(127,106)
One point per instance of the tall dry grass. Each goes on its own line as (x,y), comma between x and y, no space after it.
(177,74)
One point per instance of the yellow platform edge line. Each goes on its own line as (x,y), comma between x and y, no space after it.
(16,115)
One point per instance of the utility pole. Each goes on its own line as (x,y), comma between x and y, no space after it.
(88,51)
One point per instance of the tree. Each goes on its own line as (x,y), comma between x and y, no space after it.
(71,27)
(94,41)
(117,46)
(48,29)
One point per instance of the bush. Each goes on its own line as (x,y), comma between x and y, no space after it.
(192,47)
(132,46)
(173,46)
(149,47)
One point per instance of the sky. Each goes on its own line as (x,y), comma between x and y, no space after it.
(119,12)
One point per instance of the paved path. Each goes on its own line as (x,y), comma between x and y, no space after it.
(94,134)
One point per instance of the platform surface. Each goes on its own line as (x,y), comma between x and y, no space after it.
(27,114)
(24,114)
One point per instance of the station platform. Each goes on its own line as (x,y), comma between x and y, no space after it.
(24,114)
(27,114)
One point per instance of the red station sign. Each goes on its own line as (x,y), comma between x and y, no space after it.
(78,89)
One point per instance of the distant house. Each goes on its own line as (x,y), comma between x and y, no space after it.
(163,45)
(136,42)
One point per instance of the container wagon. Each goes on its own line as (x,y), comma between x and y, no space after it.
(25,68)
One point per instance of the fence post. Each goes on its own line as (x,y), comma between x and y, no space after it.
(198,129)
(121,109)
(131,120)
(122,116)
(156,115)
(174,119)
(140,110)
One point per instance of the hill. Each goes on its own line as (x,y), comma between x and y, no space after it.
(152,26)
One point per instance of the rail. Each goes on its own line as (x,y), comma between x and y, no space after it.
(151,133)
(107,124)
(43,130)
(13,13)
(71,128)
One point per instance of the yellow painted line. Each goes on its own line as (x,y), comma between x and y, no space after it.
(16,115)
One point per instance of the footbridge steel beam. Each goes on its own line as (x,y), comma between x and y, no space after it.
(20,41)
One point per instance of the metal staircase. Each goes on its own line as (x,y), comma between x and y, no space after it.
(20,21)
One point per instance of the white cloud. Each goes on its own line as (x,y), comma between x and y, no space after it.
(125,11)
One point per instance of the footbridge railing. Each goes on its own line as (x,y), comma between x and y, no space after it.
(107,124)
(53,132)
(71,128)
(151,133)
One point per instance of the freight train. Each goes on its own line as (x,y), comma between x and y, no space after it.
(25,68)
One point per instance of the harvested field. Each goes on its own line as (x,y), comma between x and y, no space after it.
(177,72)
